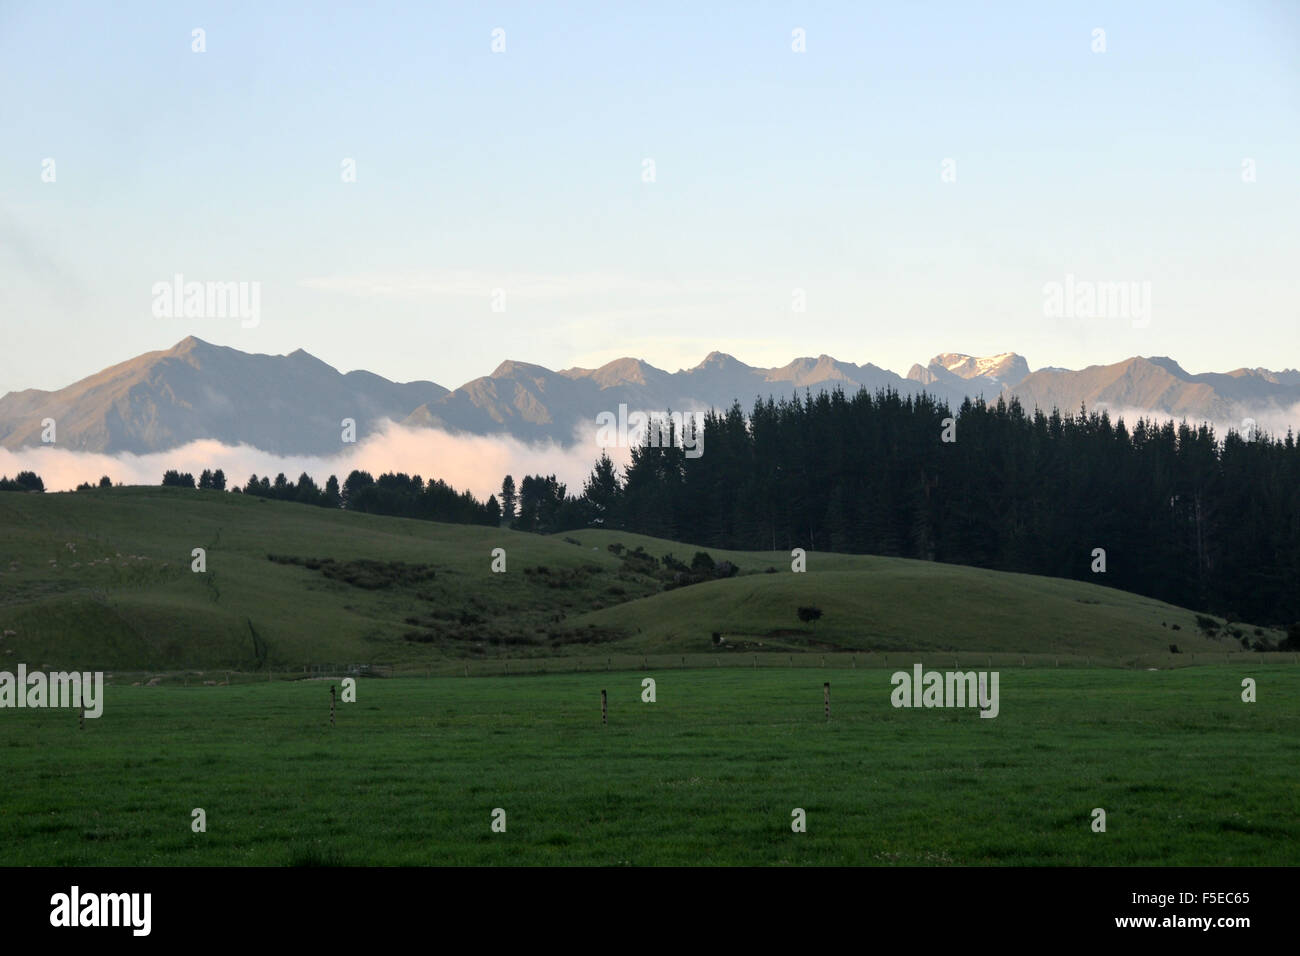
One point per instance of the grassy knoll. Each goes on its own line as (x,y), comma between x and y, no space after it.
(103,579)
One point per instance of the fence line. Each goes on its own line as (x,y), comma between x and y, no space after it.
(878,660)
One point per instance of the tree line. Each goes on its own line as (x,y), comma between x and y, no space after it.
(1168,510)
(396,494)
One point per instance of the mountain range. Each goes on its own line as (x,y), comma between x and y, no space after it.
(295,403)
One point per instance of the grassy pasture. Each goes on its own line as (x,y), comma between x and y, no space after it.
(708,774)
(103,580)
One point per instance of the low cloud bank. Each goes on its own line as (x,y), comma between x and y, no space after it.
(1272,421)
(476,463)
(466,462)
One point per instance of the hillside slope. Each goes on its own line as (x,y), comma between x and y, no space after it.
(103,579)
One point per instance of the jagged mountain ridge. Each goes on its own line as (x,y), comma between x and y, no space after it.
(159,400)
(293,404)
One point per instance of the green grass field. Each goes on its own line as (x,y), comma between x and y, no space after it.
(708,774)
(103,580)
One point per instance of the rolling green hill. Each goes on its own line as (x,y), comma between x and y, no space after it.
(103,579)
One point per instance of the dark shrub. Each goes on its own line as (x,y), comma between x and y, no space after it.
(174,479)
(1292,640)
(23,481)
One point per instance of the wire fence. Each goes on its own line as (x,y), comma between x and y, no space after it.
(522,667)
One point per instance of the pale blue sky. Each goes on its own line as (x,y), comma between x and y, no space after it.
(774,171)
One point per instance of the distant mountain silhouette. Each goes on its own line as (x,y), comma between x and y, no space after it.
(282,403)
(294,404)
